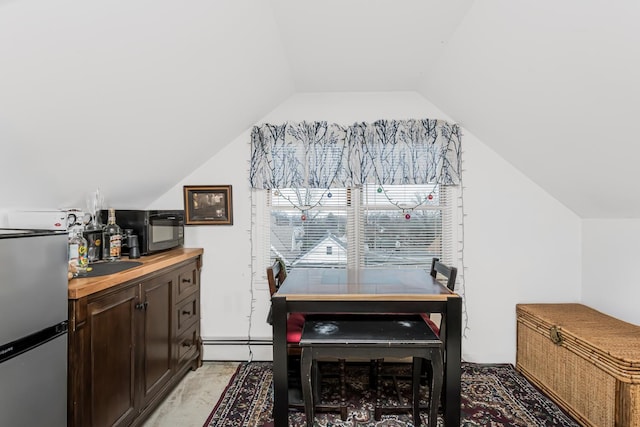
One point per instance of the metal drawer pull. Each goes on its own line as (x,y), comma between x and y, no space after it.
(185,312)
(142,305)
(186,344)
(186,280)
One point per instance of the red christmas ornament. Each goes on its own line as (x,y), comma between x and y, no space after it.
(303,217)
(407,216)
(430,197)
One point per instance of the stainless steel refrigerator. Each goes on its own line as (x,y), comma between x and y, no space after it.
(33,328)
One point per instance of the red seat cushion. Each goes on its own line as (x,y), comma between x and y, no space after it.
(295,322)
(431,323)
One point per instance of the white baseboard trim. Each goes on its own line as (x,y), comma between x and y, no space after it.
(216,350)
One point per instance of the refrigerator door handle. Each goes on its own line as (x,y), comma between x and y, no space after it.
(17,347)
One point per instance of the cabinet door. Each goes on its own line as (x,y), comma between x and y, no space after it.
(111,320)
(156,335)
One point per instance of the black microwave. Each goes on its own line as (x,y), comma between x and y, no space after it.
(157,230)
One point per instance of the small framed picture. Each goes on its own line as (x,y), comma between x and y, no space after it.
(208,205)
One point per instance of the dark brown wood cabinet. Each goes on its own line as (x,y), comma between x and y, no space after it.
(157,338)
(131,342)
(109,339)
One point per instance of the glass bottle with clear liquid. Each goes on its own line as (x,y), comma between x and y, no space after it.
(78,261)
(111,238)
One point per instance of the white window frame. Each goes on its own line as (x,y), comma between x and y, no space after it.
(261,216)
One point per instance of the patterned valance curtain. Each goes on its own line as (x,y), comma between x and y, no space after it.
(324,155)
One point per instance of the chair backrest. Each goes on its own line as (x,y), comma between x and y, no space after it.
(276,274)
(449,273)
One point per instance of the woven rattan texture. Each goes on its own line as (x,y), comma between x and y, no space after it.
(595,356)
(597,336)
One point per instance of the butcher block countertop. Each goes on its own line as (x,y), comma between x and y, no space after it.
(84,286)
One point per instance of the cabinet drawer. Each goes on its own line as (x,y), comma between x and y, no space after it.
(188,281)
(188,343)
(188,312)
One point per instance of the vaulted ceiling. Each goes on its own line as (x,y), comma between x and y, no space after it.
(89,89)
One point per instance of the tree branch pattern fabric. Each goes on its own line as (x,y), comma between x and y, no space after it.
(325,155)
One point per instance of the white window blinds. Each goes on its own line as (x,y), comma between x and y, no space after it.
(373,226)
(309,227)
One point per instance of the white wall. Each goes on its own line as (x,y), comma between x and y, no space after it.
(226,275)
(521,245)
(610,267)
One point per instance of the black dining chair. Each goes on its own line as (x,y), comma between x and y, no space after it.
(276,275)
(448,275)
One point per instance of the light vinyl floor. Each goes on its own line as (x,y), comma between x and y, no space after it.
(193,399)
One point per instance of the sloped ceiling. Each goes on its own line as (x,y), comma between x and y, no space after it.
(131,95)
(553,88)
(128,96)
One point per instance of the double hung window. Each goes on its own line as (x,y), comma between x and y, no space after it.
(368,226)
(316,204)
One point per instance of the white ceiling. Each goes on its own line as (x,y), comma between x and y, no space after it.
(550,86)
(553,88)
(365,45)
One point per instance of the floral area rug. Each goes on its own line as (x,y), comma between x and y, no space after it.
(492,395)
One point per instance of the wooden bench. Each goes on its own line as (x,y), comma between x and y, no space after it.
(586,361)
(371,337)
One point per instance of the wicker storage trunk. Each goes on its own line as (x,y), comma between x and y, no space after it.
(586,361)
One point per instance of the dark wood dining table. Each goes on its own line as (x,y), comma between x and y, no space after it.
(366,290)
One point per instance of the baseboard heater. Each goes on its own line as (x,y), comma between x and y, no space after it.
(237,349)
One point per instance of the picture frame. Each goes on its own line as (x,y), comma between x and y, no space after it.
(208,205)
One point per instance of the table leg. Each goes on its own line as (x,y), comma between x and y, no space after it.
(280,381)
(453,368)
(309,374)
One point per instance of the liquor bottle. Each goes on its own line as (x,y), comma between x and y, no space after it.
(78,261)
(111,238)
